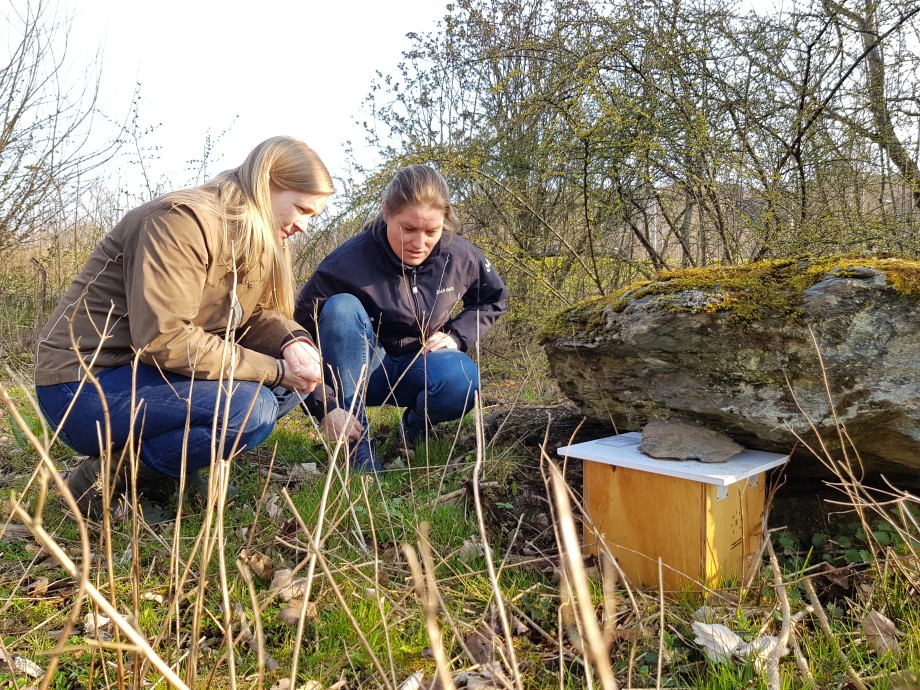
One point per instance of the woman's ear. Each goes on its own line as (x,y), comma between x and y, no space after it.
(385,212)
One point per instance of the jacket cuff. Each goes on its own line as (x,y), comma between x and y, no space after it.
(296,336)
(319,402)
(279,373)
(461,343)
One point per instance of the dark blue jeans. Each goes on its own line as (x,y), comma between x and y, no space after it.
(434,387)
(174,415)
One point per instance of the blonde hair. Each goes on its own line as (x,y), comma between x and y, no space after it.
(419,185)
(242,199)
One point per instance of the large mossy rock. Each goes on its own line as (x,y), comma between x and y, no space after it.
(736,349)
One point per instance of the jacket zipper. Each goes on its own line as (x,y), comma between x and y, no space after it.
(419,316)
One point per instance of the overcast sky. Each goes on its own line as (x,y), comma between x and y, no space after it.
(258,68)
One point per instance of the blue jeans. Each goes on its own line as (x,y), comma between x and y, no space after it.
(166,403)
(434,387)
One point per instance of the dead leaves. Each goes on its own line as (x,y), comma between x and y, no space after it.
(880,633)
(481,644)
(292,590)
(471,550)
(285,684)
(260,564)
(305,472)
(288,586)
(274,507)
(13,532)
(97,625)
(294,609)
(155,597)
(19,664)
(38,588)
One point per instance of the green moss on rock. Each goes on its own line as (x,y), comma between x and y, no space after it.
(748,292)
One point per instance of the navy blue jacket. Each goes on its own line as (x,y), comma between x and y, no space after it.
(409,303)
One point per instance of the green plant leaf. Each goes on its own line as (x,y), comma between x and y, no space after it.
(852,556)
(883,537)
(34,425)
(819,539)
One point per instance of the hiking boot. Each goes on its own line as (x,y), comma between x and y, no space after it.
(411,428)
(363,456)
(85,483)
(155,486)
(195,484)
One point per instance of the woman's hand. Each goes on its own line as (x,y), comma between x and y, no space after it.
(341,423)
(440,341)
(302,369)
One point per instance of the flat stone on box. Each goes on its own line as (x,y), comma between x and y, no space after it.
(679,441)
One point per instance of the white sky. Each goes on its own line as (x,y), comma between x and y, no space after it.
(277,66)
(257,67)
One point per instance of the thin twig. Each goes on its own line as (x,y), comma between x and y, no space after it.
(829,634)
(426,590)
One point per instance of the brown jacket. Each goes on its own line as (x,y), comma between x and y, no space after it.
(160,284)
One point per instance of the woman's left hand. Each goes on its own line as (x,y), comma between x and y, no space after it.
(303,361)
(440,341)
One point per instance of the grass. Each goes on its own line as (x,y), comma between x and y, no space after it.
(497,591)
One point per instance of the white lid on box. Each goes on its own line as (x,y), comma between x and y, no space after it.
(623,451)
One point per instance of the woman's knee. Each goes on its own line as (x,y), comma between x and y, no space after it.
(340,310)
(455,385)
(252,414)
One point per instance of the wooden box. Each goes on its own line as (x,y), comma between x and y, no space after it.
(703,520)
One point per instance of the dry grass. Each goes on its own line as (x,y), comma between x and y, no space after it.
(419,573)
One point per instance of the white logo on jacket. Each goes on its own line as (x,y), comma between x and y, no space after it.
(441,291)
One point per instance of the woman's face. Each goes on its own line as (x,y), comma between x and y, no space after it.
(293,210)
(413,232)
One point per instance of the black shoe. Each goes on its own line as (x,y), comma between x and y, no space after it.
(195,484)
(412,429)
(363,456)
(396,446)
(155,486)
(85,483)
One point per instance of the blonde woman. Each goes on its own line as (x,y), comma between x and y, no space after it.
(384,306)
(178,331)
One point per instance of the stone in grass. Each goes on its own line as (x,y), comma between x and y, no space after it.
(678,441)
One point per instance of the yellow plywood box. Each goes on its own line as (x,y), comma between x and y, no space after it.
(702,520)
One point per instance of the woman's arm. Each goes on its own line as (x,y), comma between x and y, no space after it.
(483,302)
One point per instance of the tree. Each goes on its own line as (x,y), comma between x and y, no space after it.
(44,125)
(590,142)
